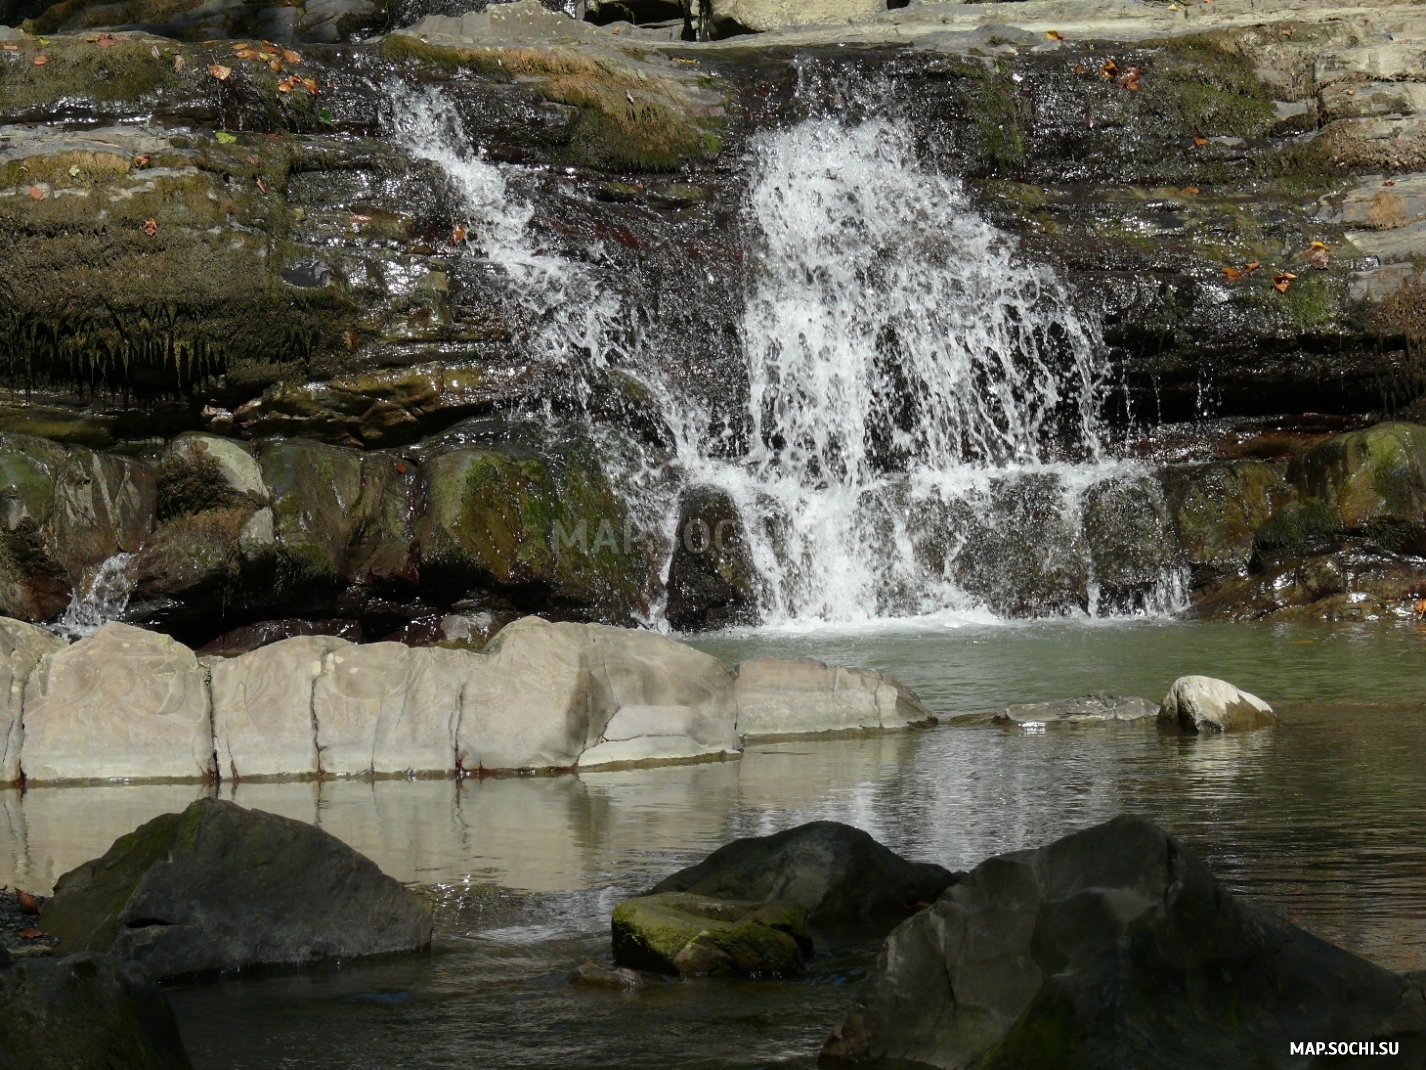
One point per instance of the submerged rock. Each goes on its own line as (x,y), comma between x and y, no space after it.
(842,876)
(592,975)
(1203,704)
(84,1011)
(803,696)
(1110,948)
(674,932)
(1101,707)
(219,887)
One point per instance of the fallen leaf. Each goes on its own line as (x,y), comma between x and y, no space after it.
(1079,68)
(142,160)
(255,160)
(1130,80)
(44,41)
(218,71)
(1233,274)
(290,57)
(275,64)
(261,185)
(1200,140)
(179,64)
(1108,69)
(30,934)
(40,61)
(12,48)
(1251,266)
(457,234)
(358,219)
(36,193)
(247,53)
(1317,255)
(1054,35)
(225,138)
(238,46)
(150,227)
(310,84)
(285,85)
(74,172)
(1282,280)
(1421,607)
(28,903)
(351,339)
(1190,189)
(325,116)
(106,40)
(1388,182)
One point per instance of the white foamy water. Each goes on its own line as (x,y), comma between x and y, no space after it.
(922,402)
(104,598)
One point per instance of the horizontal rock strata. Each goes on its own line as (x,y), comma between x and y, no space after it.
(126,703)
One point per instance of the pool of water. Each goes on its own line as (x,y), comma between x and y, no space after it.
(1323,819)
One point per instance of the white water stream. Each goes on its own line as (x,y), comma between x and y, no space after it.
(923,403)
(104,598)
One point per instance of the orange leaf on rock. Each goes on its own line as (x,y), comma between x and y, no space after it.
(285,85)
(1317,255)
(36,193)
(106,40)
(30,934)
(1079,68)
(261,185)
(218,71)
(28,903)
(352,340)
(275,64)
(457,234)
(309,84)
(1251,266)
(1233,274)
(1282,280)
(1191,189)
(12,48)
(1054,35)
(150,227)
(246,53)
(1108,69)
(1388,182)
(290,57)
(1200,140)
(40,61)
(142,160)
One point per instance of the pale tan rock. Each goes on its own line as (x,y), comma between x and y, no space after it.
(21,647)
(1381,207)
(802,696)
(262,708)
(123,703)
(386,708)
(778,14)
(238,466)
(1203,704)
(1376,63)
(530,702)
(1358,100)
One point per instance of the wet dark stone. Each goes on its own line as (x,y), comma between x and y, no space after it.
(712,582)
(251,636)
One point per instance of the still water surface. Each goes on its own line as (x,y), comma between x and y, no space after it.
(1323,819)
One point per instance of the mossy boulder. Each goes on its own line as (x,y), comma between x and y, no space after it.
(1375,479)
(219,887)
(1299,529)
(681,933)
(712,582)
(1217,508)
(1129,536)
(33,584)
(85,1010)
(314,489)
(540,527)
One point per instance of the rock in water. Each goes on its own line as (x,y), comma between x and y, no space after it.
(1203,704)
(693,934)
(840,875)
(1100,707)
(85,1011)
(219,887)
(1111,948)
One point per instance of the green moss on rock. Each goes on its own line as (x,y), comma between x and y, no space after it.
(1369,476)
(682,933)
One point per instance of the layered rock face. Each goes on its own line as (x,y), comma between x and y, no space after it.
(1112,947)
(127,703)
(219,887)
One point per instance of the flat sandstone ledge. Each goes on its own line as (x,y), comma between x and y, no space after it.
(133,705)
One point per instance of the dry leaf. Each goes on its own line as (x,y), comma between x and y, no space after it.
(179,64)
(106,40)
(457,234)
(309,84)
(1421,607)
(247,53)
(1282,280)
(150,227)
(261,185)
(218,71)
(1190,189)
(1130,80)
(358,220)
(1317,255)
(40,61)
(238,46)
(1108,69)
(28,903)
(142,160)
(275,64)
(1388,182)
(1079,68)
(1251,266)
(255,160)
(1233,274)
(1054,35)
(37,193)
(290,57)
(1200,140)
(351,339)
(286,84)
(30,934)
(12,48)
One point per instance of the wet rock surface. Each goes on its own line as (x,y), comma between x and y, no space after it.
(694,935)
(1200,704)
(20,935)
(1111,947)
(839,874)
(1101,707)
(220,888)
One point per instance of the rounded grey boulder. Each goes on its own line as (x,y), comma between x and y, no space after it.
(220,887)
(839,873)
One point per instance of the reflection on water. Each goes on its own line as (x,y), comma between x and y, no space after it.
(1323,819)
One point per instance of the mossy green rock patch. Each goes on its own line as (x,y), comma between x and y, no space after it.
(1218,507)
(677,932)
(1372,477)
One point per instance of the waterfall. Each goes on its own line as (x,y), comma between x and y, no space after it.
(104,598)
(923,403)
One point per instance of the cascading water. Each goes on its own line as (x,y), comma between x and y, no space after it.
(922,405)
(104,598)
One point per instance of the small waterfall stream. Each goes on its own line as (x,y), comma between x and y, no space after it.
(104,598)
(923,404)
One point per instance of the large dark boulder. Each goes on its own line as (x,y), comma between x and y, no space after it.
(712,582)
(839,873)
(85,1012)
(1113,948)
(219,887)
